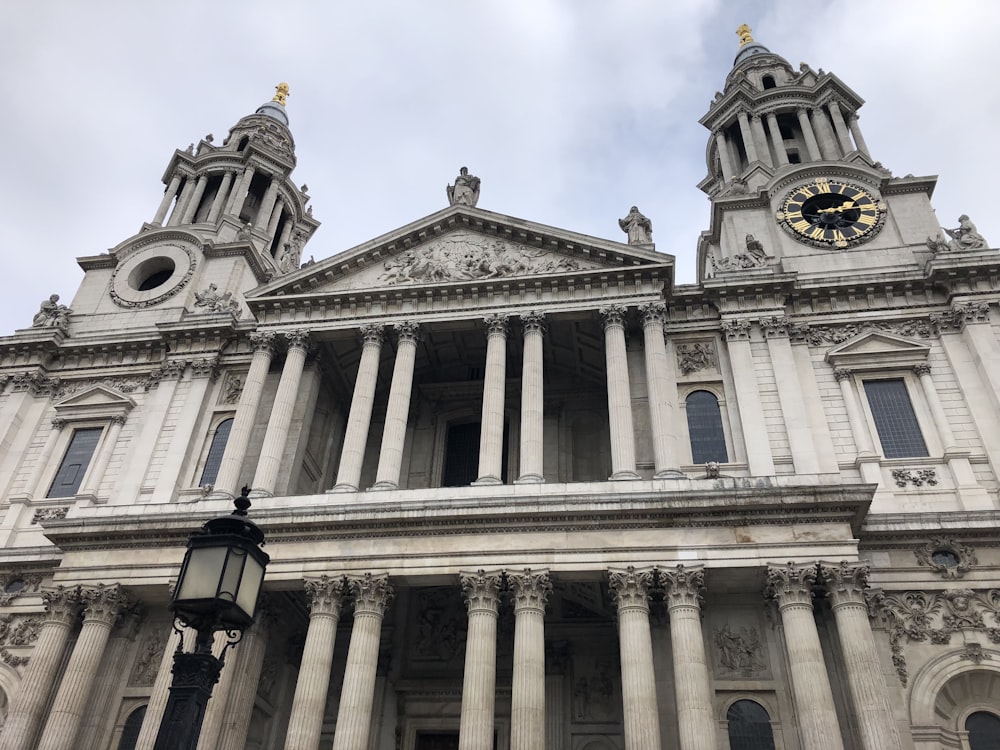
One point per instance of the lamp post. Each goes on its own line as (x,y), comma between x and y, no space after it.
(217,589)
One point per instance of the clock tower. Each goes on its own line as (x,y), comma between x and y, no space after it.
(794,187)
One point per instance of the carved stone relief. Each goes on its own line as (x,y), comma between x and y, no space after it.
(695,356)
(440,632)
(49,514)
(124,384)
(462,256)
(739,651)
(818,335)
(147,663)
(233,390)
(916,477)
(595,697)
(947,557)
(13,585)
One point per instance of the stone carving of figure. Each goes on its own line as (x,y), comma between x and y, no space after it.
(245,231)
(214,302)
(288,261)
(51,314)
(756,250)
(965,236)
(638,228)
(465,191)
(754,257)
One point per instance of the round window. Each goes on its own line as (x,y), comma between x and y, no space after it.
(154,271)
(945,558)
(14,586)
(151,274)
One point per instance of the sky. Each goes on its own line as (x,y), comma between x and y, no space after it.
(569,111)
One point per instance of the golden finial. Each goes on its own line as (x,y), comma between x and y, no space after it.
(281,95)
(744,34)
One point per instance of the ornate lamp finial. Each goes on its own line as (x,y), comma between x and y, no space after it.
(281,95)
(743,32)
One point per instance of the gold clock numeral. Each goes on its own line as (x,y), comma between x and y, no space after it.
(801,225)
(838,236)
(818,233)
(793,215)
(823,187)
(867,219)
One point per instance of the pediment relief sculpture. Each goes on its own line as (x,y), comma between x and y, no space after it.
(465,256)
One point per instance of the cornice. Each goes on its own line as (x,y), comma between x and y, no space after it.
(241,249)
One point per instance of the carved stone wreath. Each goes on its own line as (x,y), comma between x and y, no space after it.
(178,253)
(948,557)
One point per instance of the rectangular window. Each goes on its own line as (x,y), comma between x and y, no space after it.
(895,420)
(74,464)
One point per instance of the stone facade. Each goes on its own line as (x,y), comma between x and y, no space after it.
(520,489)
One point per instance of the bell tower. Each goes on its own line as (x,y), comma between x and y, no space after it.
(793,185)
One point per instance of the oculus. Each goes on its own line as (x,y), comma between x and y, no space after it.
(830,213)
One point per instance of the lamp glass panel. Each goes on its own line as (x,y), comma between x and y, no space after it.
(201,575)
(230,583)
(253,577)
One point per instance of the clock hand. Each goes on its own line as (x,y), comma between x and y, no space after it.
(837,209)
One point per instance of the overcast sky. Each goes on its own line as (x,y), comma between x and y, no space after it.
(570,111)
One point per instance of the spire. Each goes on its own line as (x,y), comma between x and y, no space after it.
(275,109)
(748,47)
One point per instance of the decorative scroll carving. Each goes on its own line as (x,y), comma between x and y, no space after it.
(696,356)
(736,330)
(49,514)
(974,652)
(739,651)
(921,369)
(918,477)
(214,302)
(62,604)
(35,383)
(960,315)
(847,583)
(13,585)
(947,557)
(464,256)
(173,369)
(496,324)
(533,322)
(205,367)
(819,335)
(407,330)
(298,338)
(18,630)
(104,603)
(121,384)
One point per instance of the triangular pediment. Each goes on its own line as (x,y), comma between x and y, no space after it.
(461,244)
(874,349)
(95,402)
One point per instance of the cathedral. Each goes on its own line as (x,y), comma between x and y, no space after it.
(521,490)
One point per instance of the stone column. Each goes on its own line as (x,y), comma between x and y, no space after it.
(228,479)
(805,458)
(530,590)
(824,133)
(194,200)
(42,462)
(843,137)
(371,597)
(737,333)
(482,596)
(104,696)
(272,222)
(619,394)
(96,472)
(859,140)
(240,190)
(359,420)
(390,458)
(246,666)
(220,197)
(182,201)
(305,724)
(662,390)
(101,608)
(748,145)
(760,140)
(812,147)
(263,217)
(28,704)
(531,459)
(722,145)
(776,139)
(791,587)
(859,427)
(630,588)
(161,689)
(494,390)
(281,413)
(556,699)
(168,195)
(695,717)
(846,584)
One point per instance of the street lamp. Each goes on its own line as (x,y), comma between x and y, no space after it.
(217,589)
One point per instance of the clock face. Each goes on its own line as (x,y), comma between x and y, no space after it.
(829,213)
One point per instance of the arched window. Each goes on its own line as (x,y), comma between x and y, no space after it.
(749,727)
(984,730)
(768,82)
(708,441)
(130,732)
(214,459)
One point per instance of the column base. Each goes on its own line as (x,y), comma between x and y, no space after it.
(619,476)
(486,480)
(342,488)
(530,479)
(670,474)
(383,486)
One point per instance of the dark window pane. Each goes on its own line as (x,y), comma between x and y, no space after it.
(75,462)
(130,732)
(984,731)
(708,441)
(461,458)
(214,460)
(749,727)
(897,426)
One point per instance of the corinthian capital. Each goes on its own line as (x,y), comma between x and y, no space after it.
(496,324)
(531,589)
(630,587)
(846,583)
(325,595)
(372,593)
(653,313)
(482,590)
(62,604)
(262,341)
(297,339)
(408,330)
(790,584)
(684,586)
(104,603)
(372,333)
(533,322)
(613,315)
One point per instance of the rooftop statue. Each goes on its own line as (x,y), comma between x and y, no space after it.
(281,94)
(965,236)
(465,191)
(51,314)
(638,228)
